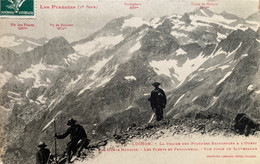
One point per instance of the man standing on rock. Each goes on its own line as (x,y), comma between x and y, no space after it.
(158,101)
(78,139)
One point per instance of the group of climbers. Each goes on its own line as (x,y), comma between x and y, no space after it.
(78,136)
(78,141)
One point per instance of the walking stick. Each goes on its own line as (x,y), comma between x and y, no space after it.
(152,116)
(55,142)
(49,158)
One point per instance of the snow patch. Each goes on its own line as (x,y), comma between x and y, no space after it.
(28,41)
(77,79)
(253,22)
(107,78)
(211,68)
(214,100)
(29,49)
(231,53)
(47,125)
(244,55)
(217,19)
(100,43)
(41,99)
(128,107)
(14,98)
(192,77)
(164,66)
(219,52)
(13,93)
(73,82)
(180,52)
(250,87)
(179,99)
(155,22)
(178,34)
(73,57)
(9,41)
(20,40)
(220,81)
(99,80)
(3,108)
(27,93)
(194,98)
(51,103)
(140,37)
(220,36)
(85,88)
(66,62)
(201,69)
(34,72)
(203,12)
(104,81)
(136,47)
(224,67)
(98,66)
(180,26)
(257,92)
(134,22)
(130,78)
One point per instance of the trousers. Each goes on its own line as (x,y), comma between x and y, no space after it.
(158,112)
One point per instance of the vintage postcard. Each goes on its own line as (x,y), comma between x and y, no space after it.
(129,82)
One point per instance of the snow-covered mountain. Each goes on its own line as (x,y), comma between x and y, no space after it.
(202,26)
(20,44)
(207,62)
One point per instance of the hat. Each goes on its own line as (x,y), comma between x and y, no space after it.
(71,121)
(41,144)
(156,84)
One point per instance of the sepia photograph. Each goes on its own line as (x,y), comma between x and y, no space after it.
(129,82)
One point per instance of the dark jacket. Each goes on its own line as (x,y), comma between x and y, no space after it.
(158,98)
(76,132)
(43,155)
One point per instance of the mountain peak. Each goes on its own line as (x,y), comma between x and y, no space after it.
(253,17)
(203,12)
(228,15)
(55,50)
(130,16)
(57,40)
(120,22)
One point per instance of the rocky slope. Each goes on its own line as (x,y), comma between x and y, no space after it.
(152,138)
(207,66)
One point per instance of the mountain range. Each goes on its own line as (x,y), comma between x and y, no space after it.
(207,63)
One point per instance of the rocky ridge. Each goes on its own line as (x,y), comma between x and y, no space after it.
(104,81)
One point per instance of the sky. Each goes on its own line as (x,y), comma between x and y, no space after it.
(86,21)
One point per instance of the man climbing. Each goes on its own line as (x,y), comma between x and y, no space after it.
(158,101)
(43,155)
(78,139)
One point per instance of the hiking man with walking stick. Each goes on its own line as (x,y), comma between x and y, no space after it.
(158,101)
(78,139)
